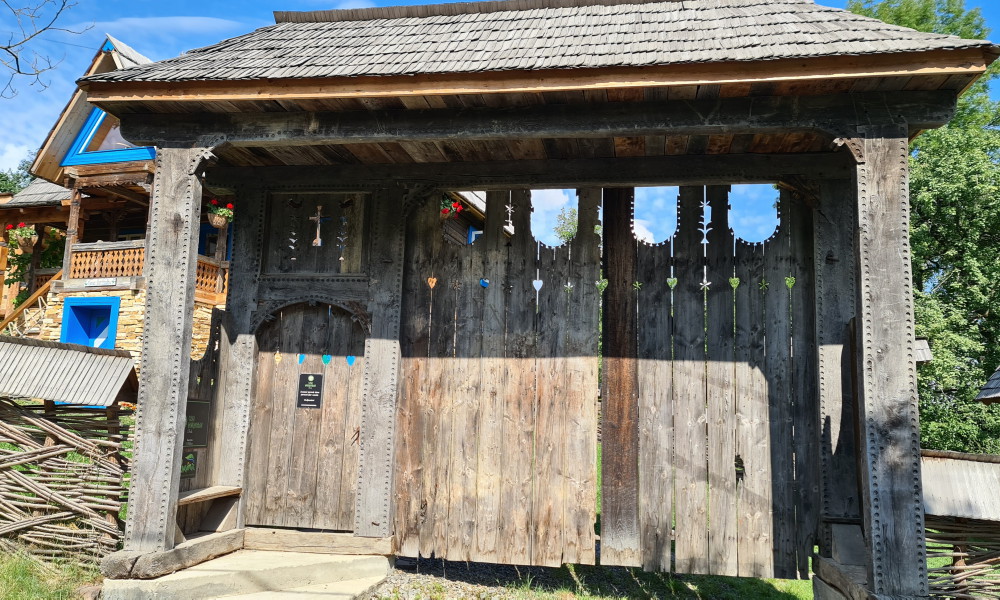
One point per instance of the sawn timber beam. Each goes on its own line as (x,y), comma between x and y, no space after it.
(664,170)
(770,114)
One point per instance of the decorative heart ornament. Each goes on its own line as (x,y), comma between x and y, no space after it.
(350,361)
(302,358)
(538,284)
(484,282)
(327,358)
(432,281)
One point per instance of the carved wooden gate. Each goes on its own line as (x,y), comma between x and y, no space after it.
(304,425)
(709,392)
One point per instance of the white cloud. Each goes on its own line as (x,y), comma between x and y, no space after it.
(753,216)
(11,154)
(656,212)
(546,205)
(642,231)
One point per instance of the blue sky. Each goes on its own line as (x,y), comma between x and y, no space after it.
(167,28)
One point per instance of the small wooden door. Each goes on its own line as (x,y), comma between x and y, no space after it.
(305,420)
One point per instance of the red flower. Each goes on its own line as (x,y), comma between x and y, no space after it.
(458,209)
(10,226)
(229,206)
(20,225)
(455,204)
(214,202)
(445,211)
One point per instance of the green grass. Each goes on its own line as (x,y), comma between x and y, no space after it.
(23,578)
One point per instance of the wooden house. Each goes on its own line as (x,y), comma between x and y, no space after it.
(92,193)
(375,384)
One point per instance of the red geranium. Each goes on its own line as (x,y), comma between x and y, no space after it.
(20,225)
(9,226)
(229,206)
(214,202)
(445,211)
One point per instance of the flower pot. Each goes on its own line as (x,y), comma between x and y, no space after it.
(217,221)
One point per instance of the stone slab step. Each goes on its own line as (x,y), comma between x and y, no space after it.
(249,572)
(337,590)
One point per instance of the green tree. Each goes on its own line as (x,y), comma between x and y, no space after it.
(955,235)
(13,181)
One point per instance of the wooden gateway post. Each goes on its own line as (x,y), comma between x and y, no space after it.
(385,382)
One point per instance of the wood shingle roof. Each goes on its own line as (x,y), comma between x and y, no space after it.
(536,35)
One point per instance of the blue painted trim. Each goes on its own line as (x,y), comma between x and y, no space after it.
(473,234)
(107,47)
(71,331)
(78,155)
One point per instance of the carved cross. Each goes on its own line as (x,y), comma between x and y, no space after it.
(319,219)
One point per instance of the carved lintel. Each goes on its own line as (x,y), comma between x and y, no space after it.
(855,145)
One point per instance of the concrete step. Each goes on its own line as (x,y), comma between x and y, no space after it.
(251,572)
(337,590)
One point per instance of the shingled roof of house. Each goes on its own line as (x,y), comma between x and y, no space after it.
(39,193)
(991,391)
(534,35)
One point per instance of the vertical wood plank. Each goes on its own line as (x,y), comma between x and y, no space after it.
(373,517)
(580,347)
(171,257)
(519,397)
(777,373)
(354,378)
(754,526)
(330,477)
(620,543)
(690,417)
(259,437)
(286,380)
(835,297)
(656,404)
(491,405)
(721,390)
(805,394)
(888,389)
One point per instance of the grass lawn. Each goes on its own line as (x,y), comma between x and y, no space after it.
(23,578)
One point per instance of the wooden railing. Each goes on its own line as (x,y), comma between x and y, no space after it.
(102,260)
(43,276)
(17,324)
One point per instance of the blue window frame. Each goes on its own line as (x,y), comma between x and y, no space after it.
(79,155)
(90,321)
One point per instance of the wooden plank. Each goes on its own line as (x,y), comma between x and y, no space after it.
(260,432)
(620,544)
(690,416)
(328,506)
(777,369)
(373,517)
(519,396)
(971,61)
(961,488)
(721,387)
(187,554)
(805,390)
(580,349)
(656,404)
(206,494)
(491,406)
(283,540)
(753,449)
(887,387)
(367,133)
(170,266)
(352,378)
(835,299)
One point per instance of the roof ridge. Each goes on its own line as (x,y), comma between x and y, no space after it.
(462,8)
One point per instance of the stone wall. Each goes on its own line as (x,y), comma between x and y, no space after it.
(130,325)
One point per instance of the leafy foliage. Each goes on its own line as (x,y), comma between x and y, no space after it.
(19,263)
(13,181)
(955,236)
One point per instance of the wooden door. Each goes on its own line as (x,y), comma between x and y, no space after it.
(303,461)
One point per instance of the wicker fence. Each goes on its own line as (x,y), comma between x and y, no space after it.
(62,480)
(964,555)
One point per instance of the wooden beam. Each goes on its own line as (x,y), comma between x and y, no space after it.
(719,116)
(125,194)
(72,225)
(171,259)
(283,540)
(127,565)
(887,385)
(904,64)
(536,174)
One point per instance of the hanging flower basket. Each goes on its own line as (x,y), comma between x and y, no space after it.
(219,214)
(449,209)
(20,231)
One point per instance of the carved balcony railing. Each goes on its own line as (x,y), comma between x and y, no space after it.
(120,264)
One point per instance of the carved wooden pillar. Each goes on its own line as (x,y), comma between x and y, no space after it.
(887,386)
(373,513)
(72,231)
(171,258)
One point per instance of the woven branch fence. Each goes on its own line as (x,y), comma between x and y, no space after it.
(971,550)
(62,480)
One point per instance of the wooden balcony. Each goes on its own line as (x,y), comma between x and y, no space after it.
(119,265)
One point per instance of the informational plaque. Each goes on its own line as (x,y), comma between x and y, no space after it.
(196,428)
(310,391)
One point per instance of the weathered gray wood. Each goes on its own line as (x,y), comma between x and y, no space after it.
(690,415)
(754,528)
(656,404)
(804,382)
(72,229)
(171,259)
(893,507)
(620,544)
(835,298)
(373,515)
(283,540)
(721,387)
(125,565)
(524,174)
(206,494)
(755,114)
